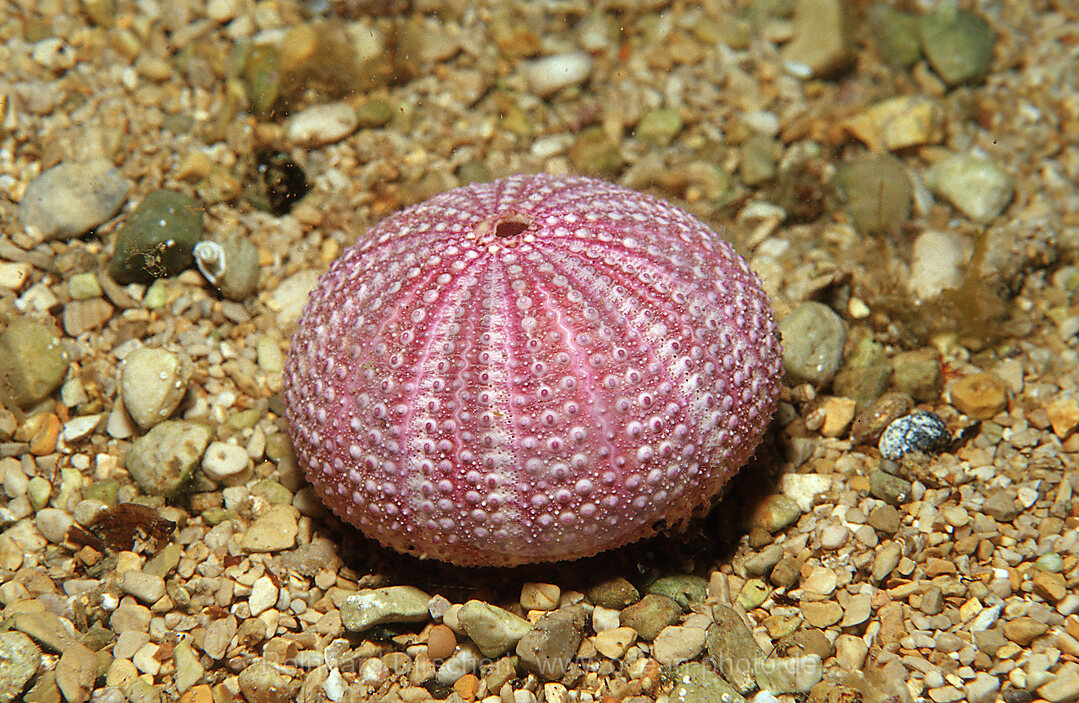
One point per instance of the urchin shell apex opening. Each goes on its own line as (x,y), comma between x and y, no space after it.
(534,369)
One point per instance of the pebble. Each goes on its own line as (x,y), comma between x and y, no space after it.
(53,524)
(760,563)
(958,44)
(982,688)
(263,596)
(833,537)
(850,652)
(14,275)
(320,124)
(275,531)
(732,648)
(76,672)
(615,593)
(877,191)
(334,686)
(153,382)
(550,74)
(918,432)
(20,659)
(161,461)
(695,682)
(290,296)
(441,642)
(813,339)
(774,512)
(651,614)
(872,421)
(885,560)
(803,489)
(975,186)
(683,588)
(614,643)
(790,674)
(189,670)
(675,644)
(157,239)
(466,659)
(231,266)
(540,596)
(227,464)
(659,126)
(760,154)
(838,415)
(917,374)
(261,682)
(891,489)
(936,263)
(82,316)
(70,199)
(392,604)
(821,581)
(1000,505)
(1064,687)
(884,518)
(1024,630)
(821,43)
(899,123)
(550,646)
(980,395)
(33,362)
(494,630)
(822,613)
(219,634)
(1063,414)
(148,588)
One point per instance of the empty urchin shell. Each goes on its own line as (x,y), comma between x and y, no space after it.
(534,369)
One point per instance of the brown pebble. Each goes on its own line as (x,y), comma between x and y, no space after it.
(1050,586)
(980,396)
(441,642)
(1063,415)
(466,687)
(198,694)
(872,421)
(1024,630)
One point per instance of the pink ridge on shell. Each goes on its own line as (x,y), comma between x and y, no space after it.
(534,369)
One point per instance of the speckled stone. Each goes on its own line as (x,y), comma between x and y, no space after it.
(33,362)
(651,614)
(162,460)
(732,649)
(694,682)
(494,630)
(19,661)
(371,607)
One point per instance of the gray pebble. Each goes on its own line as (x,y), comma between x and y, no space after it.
(72,198)
(157,239)
(877,191)
(376,606)
(161,461)
(917,432)
(695,682)
(153,382)
(615,593)
(958,44)
(465,659)
(148,588)
(33,362)
(494,630)
(19,661)
(550,646)
(813,339)
(231,266)
(732,649)
(651,614)
(790,674)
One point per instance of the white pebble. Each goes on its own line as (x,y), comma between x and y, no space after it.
(551,74)
(833,536)
(153,382)
(322,124)
(263,595)
(935,263)
(226,463)
(334,686)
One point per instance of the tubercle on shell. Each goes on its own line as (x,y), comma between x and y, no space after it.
(536,369)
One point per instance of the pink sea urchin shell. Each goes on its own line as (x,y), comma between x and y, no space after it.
(535,369)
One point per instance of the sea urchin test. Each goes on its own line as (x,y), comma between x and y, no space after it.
(534,369)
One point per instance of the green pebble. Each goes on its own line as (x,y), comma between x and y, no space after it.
(863,384)
(878,192)
(659,126)
(157,239)
(244,419)
(683,588)
(898,35)
(374,113)
(891,489)
(272,491)
(262,78)
(473,171)
(958,44)
(161,461)
(278,446)
(1051,562)
(156,295)
(39,491)
(216,516)
(615,592)
(33,363)
(753,593)
(918,375)
(651,614)
(104,490)
(83,286)
(593,152)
